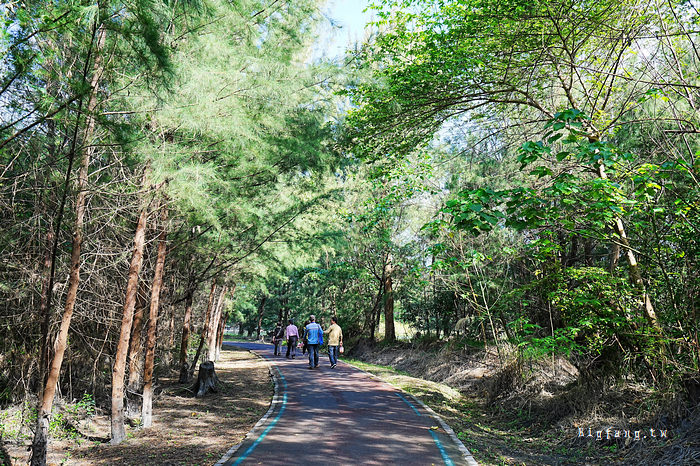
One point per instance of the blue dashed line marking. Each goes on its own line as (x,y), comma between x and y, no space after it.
(409,404)
(445,457)
(443,453)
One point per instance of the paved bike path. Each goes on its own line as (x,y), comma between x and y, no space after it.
(342,416)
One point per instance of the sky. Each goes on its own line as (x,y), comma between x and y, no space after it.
(344,25)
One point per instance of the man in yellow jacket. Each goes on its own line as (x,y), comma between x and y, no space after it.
(335,341)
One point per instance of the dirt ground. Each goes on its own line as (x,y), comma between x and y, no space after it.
(185,431)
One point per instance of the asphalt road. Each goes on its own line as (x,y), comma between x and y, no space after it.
(341,416)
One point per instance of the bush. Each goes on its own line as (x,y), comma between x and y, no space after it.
(582,312)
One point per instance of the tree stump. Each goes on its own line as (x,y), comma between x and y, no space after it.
(206,380)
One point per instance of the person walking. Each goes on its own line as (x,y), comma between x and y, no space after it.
(335,341)
(277,336)
(314,337)
(304,343)
(292,335)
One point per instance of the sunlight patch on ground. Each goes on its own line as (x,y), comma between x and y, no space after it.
(412,385)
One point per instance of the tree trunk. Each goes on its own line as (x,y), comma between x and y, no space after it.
(206,380)
(280,314)
(48,263)
(370,317)
(285,304)
(168,356)
(260,315)
(614,257)
(135,347)
(389,331)
(118,432)
(149,359)
(205,329)
(573,252)
(40,441)
(214,326)
(184,342)
(220,336)
(135,356)
(635,275)
(588,252)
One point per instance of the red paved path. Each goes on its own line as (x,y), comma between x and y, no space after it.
(342,416)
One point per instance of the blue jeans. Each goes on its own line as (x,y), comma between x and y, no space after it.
(313,355)
(333,354)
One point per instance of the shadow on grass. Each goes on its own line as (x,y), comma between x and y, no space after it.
(192,431)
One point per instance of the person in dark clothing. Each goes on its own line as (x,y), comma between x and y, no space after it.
(292,334)
(305,342)
(277,337)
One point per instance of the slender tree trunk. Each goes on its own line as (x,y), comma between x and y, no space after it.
(220,336)
(149,359)
(370,317)
(47,279)
(614,257)
(562,249)
(184,342)
(588,252)
(389,330)
(285,303)
(171,328)
(118,431)
(214,325)
(635,275)
(40,442)
(224,321)
(135,346)
(260,315)
(135,356)
(280,313)
(573,252)
(205,329)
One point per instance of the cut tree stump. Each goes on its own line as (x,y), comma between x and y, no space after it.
(206,380)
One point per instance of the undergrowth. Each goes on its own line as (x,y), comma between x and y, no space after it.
(17,423)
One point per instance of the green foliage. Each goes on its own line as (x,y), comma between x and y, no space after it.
(592,312)
(569,200)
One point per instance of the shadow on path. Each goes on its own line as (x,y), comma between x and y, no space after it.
(327,416)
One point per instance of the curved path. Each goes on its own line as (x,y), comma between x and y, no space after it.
(342,416)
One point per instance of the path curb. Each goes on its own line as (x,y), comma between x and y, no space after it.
(465,452)
(276,399)
(468,458)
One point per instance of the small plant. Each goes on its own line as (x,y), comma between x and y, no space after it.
(87,403)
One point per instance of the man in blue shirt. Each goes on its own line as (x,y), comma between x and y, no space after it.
(314,335)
